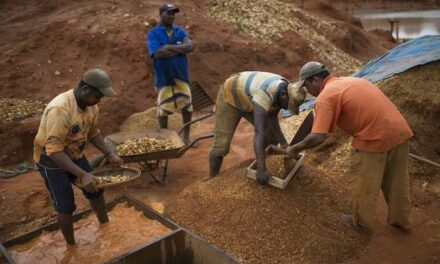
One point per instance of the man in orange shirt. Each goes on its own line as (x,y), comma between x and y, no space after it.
(380,142)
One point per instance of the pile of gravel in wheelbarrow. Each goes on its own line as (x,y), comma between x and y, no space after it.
(262,224)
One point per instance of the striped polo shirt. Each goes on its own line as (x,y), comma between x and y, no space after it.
(243,89)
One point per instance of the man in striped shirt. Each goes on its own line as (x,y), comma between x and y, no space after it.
(258,97)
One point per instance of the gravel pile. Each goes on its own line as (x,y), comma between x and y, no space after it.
(17,109)
(267,20)
(262,224)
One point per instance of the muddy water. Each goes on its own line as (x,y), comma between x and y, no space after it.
(412,24)
(96,243)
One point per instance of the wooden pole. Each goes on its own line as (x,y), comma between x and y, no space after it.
(414,156)
(391,26)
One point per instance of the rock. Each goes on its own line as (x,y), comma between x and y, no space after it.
(57,73)
(152,21)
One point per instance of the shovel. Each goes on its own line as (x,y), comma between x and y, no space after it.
(304,129)
(300,135)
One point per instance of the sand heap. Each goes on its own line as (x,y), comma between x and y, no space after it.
(267,20)
(299,225)
(148,120)
(261,224)
(416,93)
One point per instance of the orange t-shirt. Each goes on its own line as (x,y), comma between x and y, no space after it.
(362,110)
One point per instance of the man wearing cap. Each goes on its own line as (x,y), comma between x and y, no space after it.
(168,45)
(68,121)
(380,134)
(258,97)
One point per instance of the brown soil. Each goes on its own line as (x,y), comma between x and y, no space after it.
(17,139)
(40,38)
(233,195)
(25,202)
(263,225)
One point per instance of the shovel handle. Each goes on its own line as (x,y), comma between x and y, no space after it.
(194,121)
(414,156)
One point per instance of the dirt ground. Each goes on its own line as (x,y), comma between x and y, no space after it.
(47,45)
(264,225)
(264,213)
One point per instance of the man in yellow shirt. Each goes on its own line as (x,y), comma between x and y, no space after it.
(68,121)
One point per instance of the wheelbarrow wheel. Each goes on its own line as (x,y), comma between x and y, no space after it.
(161,179)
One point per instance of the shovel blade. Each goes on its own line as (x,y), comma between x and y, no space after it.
(303,130)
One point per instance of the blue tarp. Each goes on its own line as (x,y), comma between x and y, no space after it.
(401,58)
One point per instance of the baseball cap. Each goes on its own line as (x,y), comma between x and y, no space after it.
(310,69)
(100,80)
(297,95)
(168,7)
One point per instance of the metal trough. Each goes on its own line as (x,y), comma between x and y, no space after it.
(181,247)
(177,246)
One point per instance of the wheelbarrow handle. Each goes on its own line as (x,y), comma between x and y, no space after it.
(184,149)
(194,121)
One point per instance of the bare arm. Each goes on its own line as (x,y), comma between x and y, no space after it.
(64,162)
(260,116)
(99,143)
(167,51)
(186,47)
(312,140)
(163,53)
(276,129)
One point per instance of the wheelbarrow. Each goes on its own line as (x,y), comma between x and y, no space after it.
(160,157)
